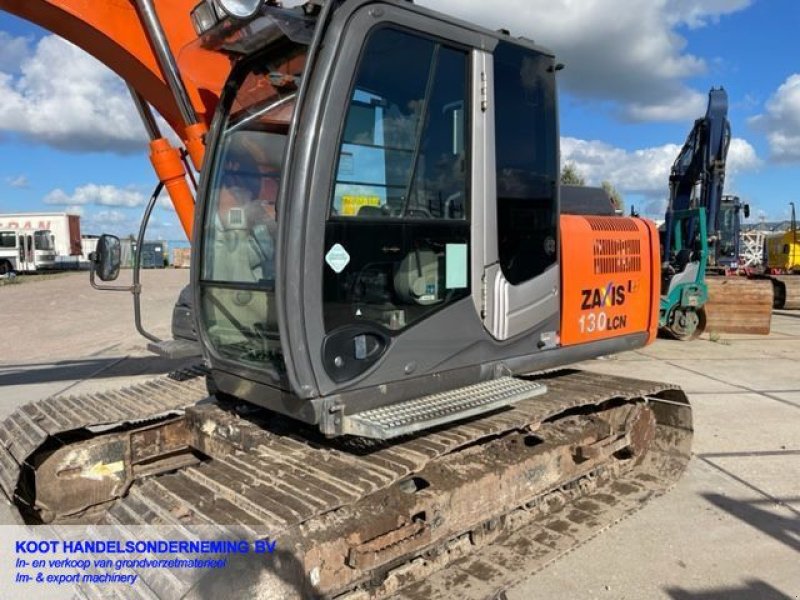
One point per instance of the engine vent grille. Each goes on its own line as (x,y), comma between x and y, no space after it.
(611,224)
(617,256)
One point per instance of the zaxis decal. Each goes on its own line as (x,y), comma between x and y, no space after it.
(612,295)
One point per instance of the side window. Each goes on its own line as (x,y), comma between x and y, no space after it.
(8,239)
(403,153)
(527,151)
(397,239)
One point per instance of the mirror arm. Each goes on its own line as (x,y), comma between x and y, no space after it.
(136,288)
(106,288)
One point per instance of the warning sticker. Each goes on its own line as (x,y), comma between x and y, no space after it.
(337,258)
(352,204)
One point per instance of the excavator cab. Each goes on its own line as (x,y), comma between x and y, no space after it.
(389,216)
(415,239)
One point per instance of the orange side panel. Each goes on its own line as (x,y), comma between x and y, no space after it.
(110,31)
(610,271)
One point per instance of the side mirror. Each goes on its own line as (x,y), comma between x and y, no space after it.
(746,211)
(106,258)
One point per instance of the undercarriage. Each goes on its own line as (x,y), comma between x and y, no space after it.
(349,517)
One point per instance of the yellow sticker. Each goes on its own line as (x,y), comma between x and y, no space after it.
(352,204)
(101,470)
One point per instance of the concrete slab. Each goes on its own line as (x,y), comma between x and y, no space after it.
(791,397)
(710,538)
(701,349)
(655,370)
(635,356)
(772,346)
(770,374)
(772,473)
(21,384)
(743,422)
(786,325)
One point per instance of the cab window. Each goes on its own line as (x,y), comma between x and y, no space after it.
(397,235)
(403,152)
(527,173)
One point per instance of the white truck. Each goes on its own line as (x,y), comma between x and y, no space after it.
(38,241)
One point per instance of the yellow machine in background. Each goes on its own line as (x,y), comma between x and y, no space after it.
(782,261)
(783,250)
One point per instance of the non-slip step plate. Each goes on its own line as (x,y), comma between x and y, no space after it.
(176,349)
(437,409)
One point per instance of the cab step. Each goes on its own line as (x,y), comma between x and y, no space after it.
(175,349)
(403,418)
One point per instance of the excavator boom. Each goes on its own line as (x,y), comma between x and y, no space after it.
(150,45)
(694,300)
(113,32)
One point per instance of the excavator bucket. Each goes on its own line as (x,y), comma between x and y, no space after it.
(738,305)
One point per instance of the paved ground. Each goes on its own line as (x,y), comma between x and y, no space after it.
(60,335)
(730,529)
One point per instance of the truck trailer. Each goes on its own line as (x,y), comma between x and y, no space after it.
(38,241)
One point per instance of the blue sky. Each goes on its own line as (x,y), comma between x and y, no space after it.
(637,75)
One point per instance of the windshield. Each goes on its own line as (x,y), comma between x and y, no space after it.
(43,240)
(240,220)
(727,229)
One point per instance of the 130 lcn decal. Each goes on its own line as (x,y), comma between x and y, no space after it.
(611,295)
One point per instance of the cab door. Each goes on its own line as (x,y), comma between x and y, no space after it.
(521,275)
(379,215)
(397,240)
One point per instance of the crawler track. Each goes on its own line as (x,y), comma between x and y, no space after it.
(362,520)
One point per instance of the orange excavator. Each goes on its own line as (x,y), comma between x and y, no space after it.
(386,290)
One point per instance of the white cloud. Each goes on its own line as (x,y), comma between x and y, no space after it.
(125,222)
(102,195)
(645,171)
(13,50)
(109,217)
(75,210)
(742,157)
(781,121)
(165,202)
(628,52)
(117,222)
(698,14)
(17,181)
(59,95)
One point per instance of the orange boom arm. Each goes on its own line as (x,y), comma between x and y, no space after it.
(112,31)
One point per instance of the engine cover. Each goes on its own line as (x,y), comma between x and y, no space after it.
(609,279)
